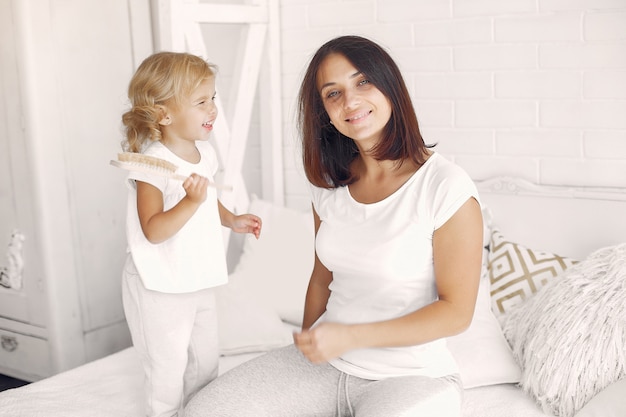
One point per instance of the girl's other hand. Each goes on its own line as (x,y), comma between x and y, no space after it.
(247,223)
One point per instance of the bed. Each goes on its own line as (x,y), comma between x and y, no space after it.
(556,229)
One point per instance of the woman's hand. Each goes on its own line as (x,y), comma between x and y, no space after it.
(324,342)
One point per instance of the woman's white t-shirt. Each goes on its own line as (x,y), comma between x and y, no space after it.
(381,258)
(194,258)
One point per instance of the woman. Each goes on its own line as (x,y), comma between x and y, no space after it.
(398,257)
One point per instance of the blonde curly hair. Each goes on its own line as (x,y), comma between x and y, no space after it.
(164,78)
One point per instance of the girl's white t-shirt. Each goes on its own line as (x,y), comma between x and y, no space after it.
(194,258)
(381,257)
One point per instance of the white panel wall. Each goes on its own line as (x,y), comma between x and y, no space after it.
(532,88)
(68,75)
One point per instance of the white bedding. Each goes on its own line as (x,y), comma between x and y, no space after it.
(502,400)
(533,215)
(111,387)
(108,387)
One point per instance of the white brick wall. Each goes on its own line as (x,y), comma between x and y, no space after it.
(533,88)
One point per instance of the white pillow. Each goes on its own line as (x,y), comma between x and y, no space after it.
(482,353)
(244,324)
(276,268)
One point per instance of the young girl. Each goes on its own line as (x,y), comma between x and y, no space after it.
(176,252)
(397,259)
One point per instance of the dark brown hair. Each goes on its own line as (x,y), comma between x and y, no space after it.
(326,153)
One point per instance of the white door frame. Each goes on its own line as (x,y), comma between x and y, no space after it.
(177,28)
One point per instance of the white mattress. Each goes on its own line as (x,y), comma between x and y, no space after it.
(111,387)
(505,400)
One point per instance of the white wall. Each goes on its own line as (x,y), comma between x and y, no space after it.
(532,88)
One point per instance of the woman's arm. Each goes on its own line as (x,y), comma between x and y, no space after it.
(457,251)
(317,293)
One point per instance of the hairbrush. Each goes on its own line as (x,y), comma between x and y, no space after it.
(147,164)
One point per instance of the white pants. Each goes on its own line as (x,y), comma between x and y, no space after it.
(176,338)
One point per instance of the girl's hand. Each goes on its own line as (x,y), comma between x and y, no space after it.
(196,188)
(324,342)
(247,223)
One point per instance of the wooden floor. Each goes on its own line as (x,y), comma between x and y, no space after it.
(7,382)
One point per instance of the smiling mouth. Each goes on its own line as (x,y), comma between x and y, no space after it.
(359,116)
(207,124)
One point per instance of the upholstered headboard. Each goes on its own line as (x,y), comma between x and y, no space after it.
(570,221)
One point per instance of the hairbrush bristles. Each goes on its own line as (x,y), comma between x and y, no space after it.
(142,159)
(147,164)
(152,165)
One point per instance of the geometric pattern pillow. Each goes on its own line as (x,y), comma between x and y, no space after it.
(517,272)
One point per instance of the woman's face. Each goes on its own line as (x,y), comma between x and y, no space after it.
(355,106)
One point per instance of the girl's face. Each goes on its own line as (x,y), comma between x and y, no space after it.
(355,106)
(193,118)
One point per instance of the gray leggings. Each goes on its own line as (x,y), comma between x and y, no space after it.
(283,383)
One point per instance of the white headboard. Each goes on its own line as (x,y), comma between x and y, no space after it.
(567,221)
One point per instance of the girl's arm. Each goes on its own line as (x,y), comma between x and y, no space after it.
(159,225)
(317,293)
(457,251)
(243,223)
